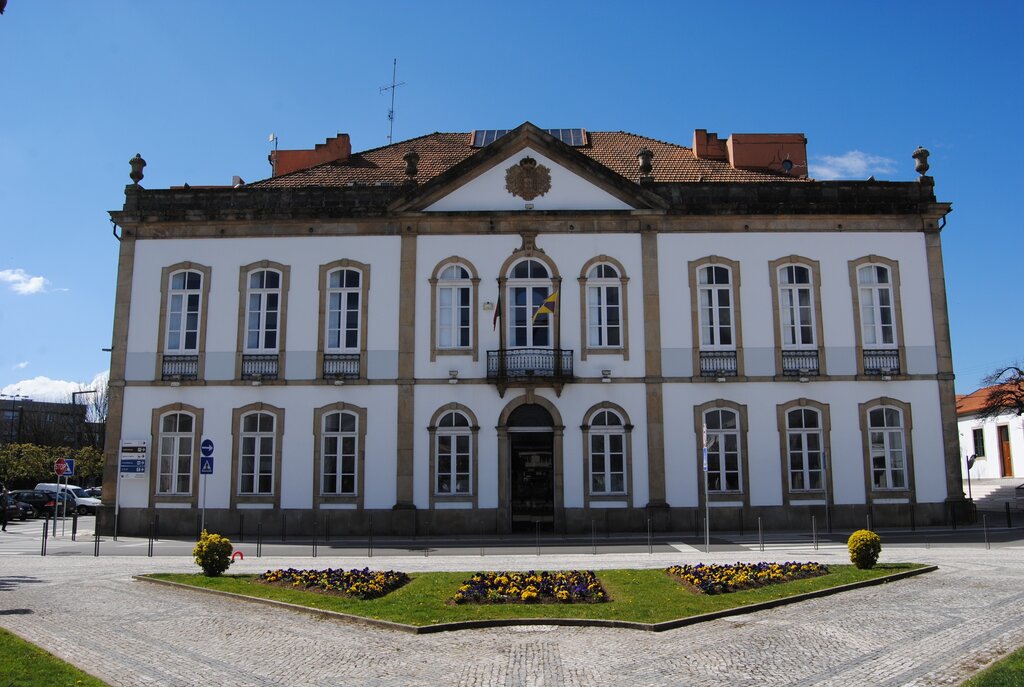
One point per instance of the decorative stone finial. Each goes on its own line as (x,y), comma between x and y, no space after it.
(412,159)
(137,164)
(644,157)
(921,156)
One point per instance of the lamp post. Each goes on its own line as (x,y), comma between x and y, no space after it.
(74,401)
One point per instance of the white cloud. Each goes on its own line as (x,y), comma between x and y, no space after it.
(854,164)
(24,283)
(56,390)
(21,366)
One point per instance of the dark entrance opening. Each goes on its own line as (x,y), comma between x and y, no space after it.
(532,469)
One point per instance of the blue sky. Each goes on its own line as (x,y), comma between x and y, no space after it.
(196,87)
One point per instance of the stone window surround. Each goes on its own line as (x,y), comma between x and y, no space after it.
(894,282)
(528,253)
(825,422)
(474,448)
(474,324)
(165,287)
(237,414)
(319,498)
(282,315)
(734,282)
(627,447)
(155,433)
(364,298)
(585,348)
(908,449)
(819,335)
(698,423)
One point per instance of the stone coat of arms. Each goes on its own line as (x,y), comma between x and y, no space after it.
(528,179)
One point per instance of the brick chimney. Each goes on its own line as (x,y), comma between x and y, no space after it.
(779,153)
(334,149)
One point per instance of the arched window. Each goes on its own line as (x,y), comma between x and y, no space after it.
(607,452)
(344,309)
(724,472)
(454,308)
(263,309)
(877,306)
(604,307)
(339,446)
(796,307)
(176,453)
(184,304)
(529,287)
(804,449)
(887,448)
(716,308)
(453,455)
(257,454)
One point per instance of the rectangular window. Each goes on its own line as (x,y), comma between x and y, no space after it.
(183,312)
(256,474)
(887,450)
(340,451)
(176,444)
(979,442)
(263,305)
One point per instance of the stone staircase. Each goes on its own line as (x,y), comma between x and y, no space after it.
(991,494)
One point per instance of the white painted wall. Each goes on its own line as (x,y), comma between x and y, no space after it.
(989,466)
(568,191)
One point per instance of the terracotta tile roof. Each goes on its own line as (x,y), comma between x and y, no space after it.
(438,152)
(973,402)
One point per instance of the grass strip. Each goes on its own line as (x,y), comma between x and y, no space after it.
(1008,672)
(23,664)
(640,596)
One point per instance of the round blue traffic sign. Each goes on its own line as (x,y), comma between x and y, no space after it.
(206,448)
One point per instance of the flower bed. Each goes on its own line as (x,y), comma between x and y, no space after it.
(562,586)
(720,579)
(361,584)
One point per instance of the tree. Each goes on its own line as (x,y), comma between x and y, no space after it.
(1005,392)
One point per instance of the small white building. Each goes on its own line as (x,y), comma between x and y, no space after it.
(507,330)
(994,445)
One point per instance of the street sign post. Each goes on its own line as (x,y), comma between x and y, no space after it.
(205,468)
(132,464)
(60,466)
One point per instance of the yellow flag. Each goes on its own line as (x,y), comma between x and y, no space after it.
(547,307)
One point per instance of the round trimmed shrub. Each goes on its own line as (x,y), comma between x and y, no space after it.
(212,553)
(864,547)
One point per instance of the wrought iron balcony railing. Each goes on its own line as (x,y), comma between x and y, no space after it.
(718,364)
(258,367)
(178,367)
(800,363)
(882,361)
(553,364)
(341,366)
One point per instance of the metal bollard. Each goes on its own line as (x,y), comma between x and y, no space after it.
(593,538)
(760,534)
(650,544)
(314,536)
(241,528)
(152,526)
(814,531)
(96,543)
(536,535)
(1009,521)
(913,521)
(369,539)
(984,527)
(46,533)
(259,539)
(869,523)
(74,526)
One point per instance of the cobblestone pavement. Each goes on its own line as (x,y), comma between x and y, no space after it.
(934,629)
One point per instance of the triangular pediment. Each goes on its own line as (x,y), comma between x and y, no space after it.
(527,169)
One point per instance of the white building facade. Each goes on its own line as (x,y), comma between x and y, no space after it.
(993,446)
(454,335)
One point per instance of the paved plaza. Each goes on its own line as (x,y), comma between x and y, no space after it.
(933,629)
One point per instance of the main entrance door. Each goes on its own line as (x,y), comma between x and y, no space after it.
(1005,456)
(532,469)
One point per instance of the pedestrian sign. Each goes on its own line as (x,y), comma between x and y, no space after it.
(206,465)
(70,462)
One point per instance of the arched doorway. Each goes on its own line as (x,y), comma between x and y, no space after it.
(532,474)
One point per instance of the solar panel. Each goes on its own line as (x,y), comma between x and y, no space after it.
(573,137)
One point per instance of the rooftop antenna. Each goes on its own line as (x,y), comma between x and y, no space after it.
(272,138)
(392,88)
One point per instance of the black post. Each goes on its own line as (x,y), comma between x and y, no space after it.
(650,544)
(952,514)
(369,539)
(241,530)
(1009,520)
(96,543)
(314,536)
(760,533)
(536,535)
(913,520)
(152,527)
(284,527)
(259,539)
(593,538)
(984,526)
(74,526)
(46,533)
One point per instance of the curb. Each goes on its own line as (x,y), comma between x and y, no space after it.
(563,622)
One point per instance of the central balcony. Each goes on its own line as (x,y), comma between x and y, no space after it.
(529,367)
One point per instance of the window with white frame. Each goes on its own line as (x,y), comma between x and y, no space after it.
(184,302)
(607,453)
(723,444)
(344,307)
(604,307)
(887,448)
(454,456)
(715,308)
(804,450)
(529,285)
(177,449)
(339,454)
(258,446)
(263,307)
(877,310)
(796,307)
(454,308)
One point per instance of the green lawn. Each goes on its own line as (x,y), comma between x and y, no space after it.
(1006,673)
(644,596)
(26,665)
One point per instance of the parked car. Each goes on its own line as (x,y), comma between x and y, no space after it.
(83,502)
(63,503)
(78,500)
(16,510)
(95,492)
(42,502)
